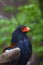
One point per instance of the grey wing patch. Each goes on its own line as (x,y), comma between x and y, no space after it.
(10,56)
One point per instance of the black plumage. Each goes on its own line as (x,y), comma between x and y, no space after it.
(23,43)
(21,40)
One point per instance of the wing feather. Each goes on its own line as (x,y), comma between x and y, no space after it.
(10,57)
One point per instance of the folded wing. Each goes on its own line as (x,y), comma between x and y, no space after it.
(10,57)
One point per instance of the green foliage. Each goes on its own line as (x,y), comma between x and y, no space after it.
(6,28)
(41,63)
(29,15)
(9,9)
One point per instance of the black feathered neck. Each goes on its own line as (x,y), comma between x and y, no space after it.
(17,35)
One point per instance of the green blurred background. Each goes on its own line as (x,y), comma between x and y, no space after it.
(31,15)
